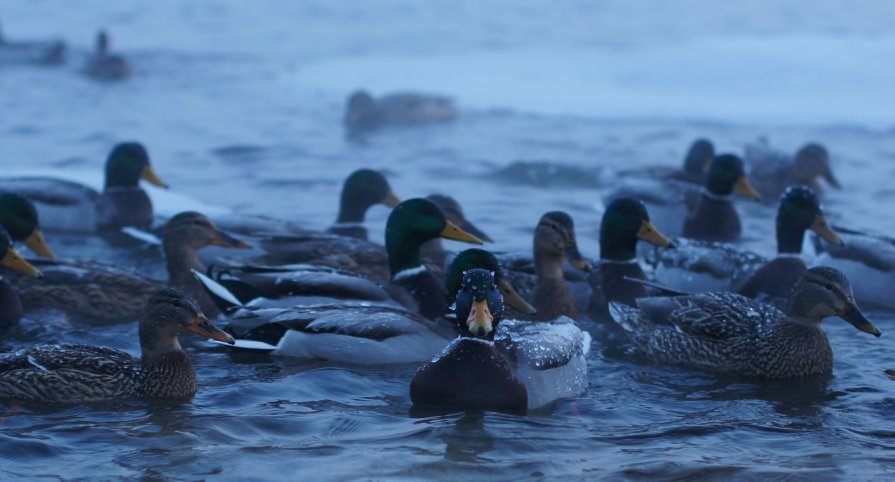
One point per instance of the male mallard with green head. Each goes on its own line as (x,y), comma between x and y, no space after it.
(714,217)
(84,373)
(362,190)
(10,304)
(731,333)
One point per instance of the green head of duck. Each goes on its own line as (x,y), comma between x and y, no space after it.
(19,216)
(798,212)
(479,305)
(363,189)
(823,292)
(411,224)
(625,222)
(699,157)
(727,174)
(476,258)
(127,164)
(12,259)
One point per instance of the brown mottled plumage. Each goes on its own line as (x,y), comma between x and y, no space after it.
(83,373)
(554,239)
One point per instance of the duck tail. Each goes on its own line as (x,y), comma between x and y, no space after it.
(225,300)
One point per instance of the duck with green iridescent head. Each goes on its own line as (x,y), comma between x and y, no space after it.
(11,309)
(498,364)
(70,206)
(727,332)
(714,217)
(698,266)
(83,373)
(625,223)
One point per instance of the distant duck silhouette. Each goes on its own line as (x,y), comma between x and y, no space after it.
(365,114)
(105,66)
(43,52)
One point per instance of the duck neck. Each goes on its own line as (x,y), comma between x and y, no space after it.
(549,265)
(351,210)
(789,239)
(10,305)
(403,253)
(615,248)
(180,259)
(168,375)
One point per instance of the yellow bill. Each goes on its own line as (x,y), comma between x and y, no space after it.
(14,261)
(148,174)
(649,233)
(480,321)
(202,326)
(513,300)
(745,189)
(391,200)
(452,231)
(36,243)
(824,230)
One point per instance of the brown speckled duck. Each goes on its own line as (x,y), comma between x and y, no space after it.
(83,373)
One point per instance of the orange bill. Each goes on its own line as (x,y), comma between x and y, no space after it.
(148,174)
(14,261)
(480,320)
(824,230)
(36,243)
(204,327)
(649,233)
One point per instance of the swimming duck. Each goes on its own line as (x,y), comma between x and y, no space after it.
(714,217)
(50,52)
(708,266)
(696,163)
(772,172)
(362,190)
(625,222)
(867,259)
(69,206)
(731,333)
(475,258)
(554,242)
(433,251)
(365,114)
(83,373)
(501,365)
(19,216)
(10,305)
(103,65)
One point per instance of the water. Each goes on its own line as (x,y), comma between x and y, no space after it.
(233,99)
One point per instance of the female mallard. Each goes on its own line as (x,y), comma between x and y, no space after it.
(506,366)
(69,206)
(10,305)
(103,65)
(50,52)
(554,242)
(106,293)
(362,190)
(365,114)
(624,223)
(83,373)
(714,217)
(696,163)
(772,172)
(701,266)
(731,333)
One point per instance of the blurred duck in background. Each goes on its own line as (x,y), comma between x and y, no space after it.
(773,171)
(365,114)
(103,65)
(39,52)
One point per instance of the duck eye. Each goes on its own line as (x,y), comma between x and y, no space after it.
(828,286)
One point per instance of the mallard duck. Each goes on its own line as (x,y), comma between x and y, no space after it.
(625,222)
(103,65)
(364,113)
(362,190)
(709,266)
(105,293)
(83,373)
(867,259)
(69,206)
(731,333)
(714,217)
(479,258)
(505,366)
(554,242)
(433,251)
(696,163)
(19,216)
(772,171)
(10,305)
(50,52)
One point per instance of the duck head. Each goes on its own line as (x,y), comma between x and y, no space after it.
(699,157)
(411,224)
(127,164)
(726,174)
(555,240)
(476,258)
(170,312)
(823,292)
(194,230)
(19,217)
(10,258)
(625,222)
(799,211)
(362,113)
(812,162)
(479,305)
(363,189)
(454,213)
(102,42)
